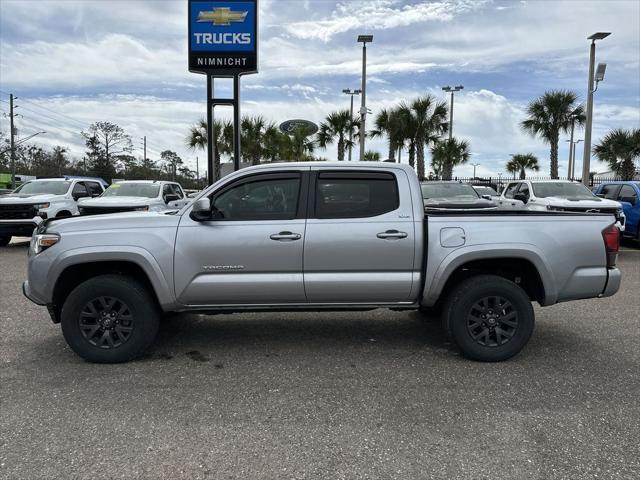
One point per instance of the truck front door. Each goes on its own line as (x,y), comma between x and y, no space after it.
(360,239)
(250,252)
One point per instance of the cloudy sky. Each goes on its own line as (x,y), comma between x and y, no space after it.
(76,62)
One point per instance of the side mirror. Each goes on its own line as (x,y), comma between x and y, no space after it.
(631,200)
(171,197)
(487,197)
(201,210)
(600,195)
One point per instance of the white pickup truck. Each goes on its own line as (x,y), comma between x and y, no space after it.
(136,196)
(316,236)
(557,196)
(44,198)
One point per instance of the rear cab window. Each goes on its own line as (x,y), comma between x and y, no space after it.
(344,194)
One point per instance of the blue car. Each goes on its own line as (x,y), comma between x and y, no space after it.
(627,193)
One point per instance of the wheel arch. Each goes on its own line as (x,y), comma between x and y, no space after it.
(524,267)
(75,268)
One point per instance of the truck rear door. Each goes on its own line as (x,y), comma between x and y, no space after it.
(359,244)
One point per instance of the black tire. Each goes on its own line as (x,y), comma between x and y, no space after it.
(64,214)
(110,338)
(4,241)
(500,334)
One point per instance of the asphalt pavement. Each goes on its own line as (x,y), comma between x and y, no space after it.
(323,395)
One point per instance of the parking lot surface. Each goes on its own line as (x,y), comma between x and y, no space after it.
(323,395)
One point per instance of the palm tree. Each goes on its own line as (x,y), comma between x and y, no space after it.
(409,127)
(371,156)
(253,136)
(449,153)
(389,123)
(619,148)
(551,114)
(336,125)
(223,140)
(428,119)
(522,162)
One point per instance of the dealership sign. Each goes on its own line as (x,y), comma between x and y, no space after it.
(223,37)
(290,126)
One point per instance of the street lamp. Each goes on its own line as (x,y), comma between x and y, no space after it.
(364,39)
(352,93)
(586,158)
(451,90)
(474,169)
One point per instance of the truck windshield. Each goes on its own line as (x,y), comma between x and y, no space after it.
(43,187)
(486,191)
(147,190)
(570,191)
(448,190)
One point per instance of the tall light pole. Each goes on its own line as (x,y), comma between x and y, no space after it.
(451,90)
(586,157)
(352,93)
(364,39)
(573,159)
(474,169)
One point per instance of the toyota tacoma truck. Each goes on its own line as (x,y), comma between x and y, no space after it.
(312,237)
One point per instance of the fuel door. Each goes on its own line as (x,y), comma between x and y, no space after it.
(452,237)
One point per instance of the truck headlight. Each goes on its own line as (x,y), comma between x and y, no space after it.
(42,241)
(142,209)
(40,206)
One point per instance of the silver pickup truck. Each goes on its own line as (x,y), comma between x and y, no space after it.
(316,236)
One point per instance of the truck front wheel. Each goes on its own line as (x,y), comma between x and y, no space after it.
(490,318)
(109,319)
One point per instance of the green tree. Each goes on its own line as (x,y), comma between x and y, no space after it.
(103,141)
(620,148)
(447,154)
(551,114)
(389,123)
(172,161)
(253,137)
(223,141)
(337,125)
(427,119)
(522,162)
(371,156)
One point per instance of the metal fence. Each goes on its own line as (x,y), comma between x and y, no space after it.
(501,181)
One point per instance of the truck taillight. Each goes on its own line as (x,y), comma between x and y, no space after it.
(611,237)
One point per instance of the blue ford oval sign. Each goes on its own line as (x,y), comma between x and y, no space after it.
(223,36)
(291,126)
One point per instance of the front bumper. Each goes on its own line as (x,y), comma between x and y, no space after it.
(17,228)
(27,292)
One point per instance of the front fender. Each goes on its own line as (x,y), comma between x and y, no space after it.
(136,255)
(440,273)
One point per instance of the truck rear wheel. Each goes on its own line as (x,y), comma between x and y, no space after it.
(4,241)
(490,318)
(109,319)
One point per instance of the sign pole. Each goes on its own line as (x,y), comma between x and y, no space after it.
(210,133)
(237,127)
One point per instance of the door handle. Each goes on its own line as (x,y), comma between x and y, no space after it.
(392,234)
(285,236)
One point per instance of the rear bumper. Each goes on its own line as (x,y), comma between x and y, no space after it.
(614,277)
(17,228)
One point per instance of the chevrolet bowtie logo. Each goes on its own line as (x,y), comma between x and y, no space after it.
(222,16)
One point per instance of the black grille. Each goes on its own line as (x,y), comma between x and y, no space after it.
(611,211)
(17,212)
(103,210)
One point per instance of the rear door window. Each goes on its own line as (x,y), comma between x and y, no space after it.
(628,193)
(355,194)
(610,191)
